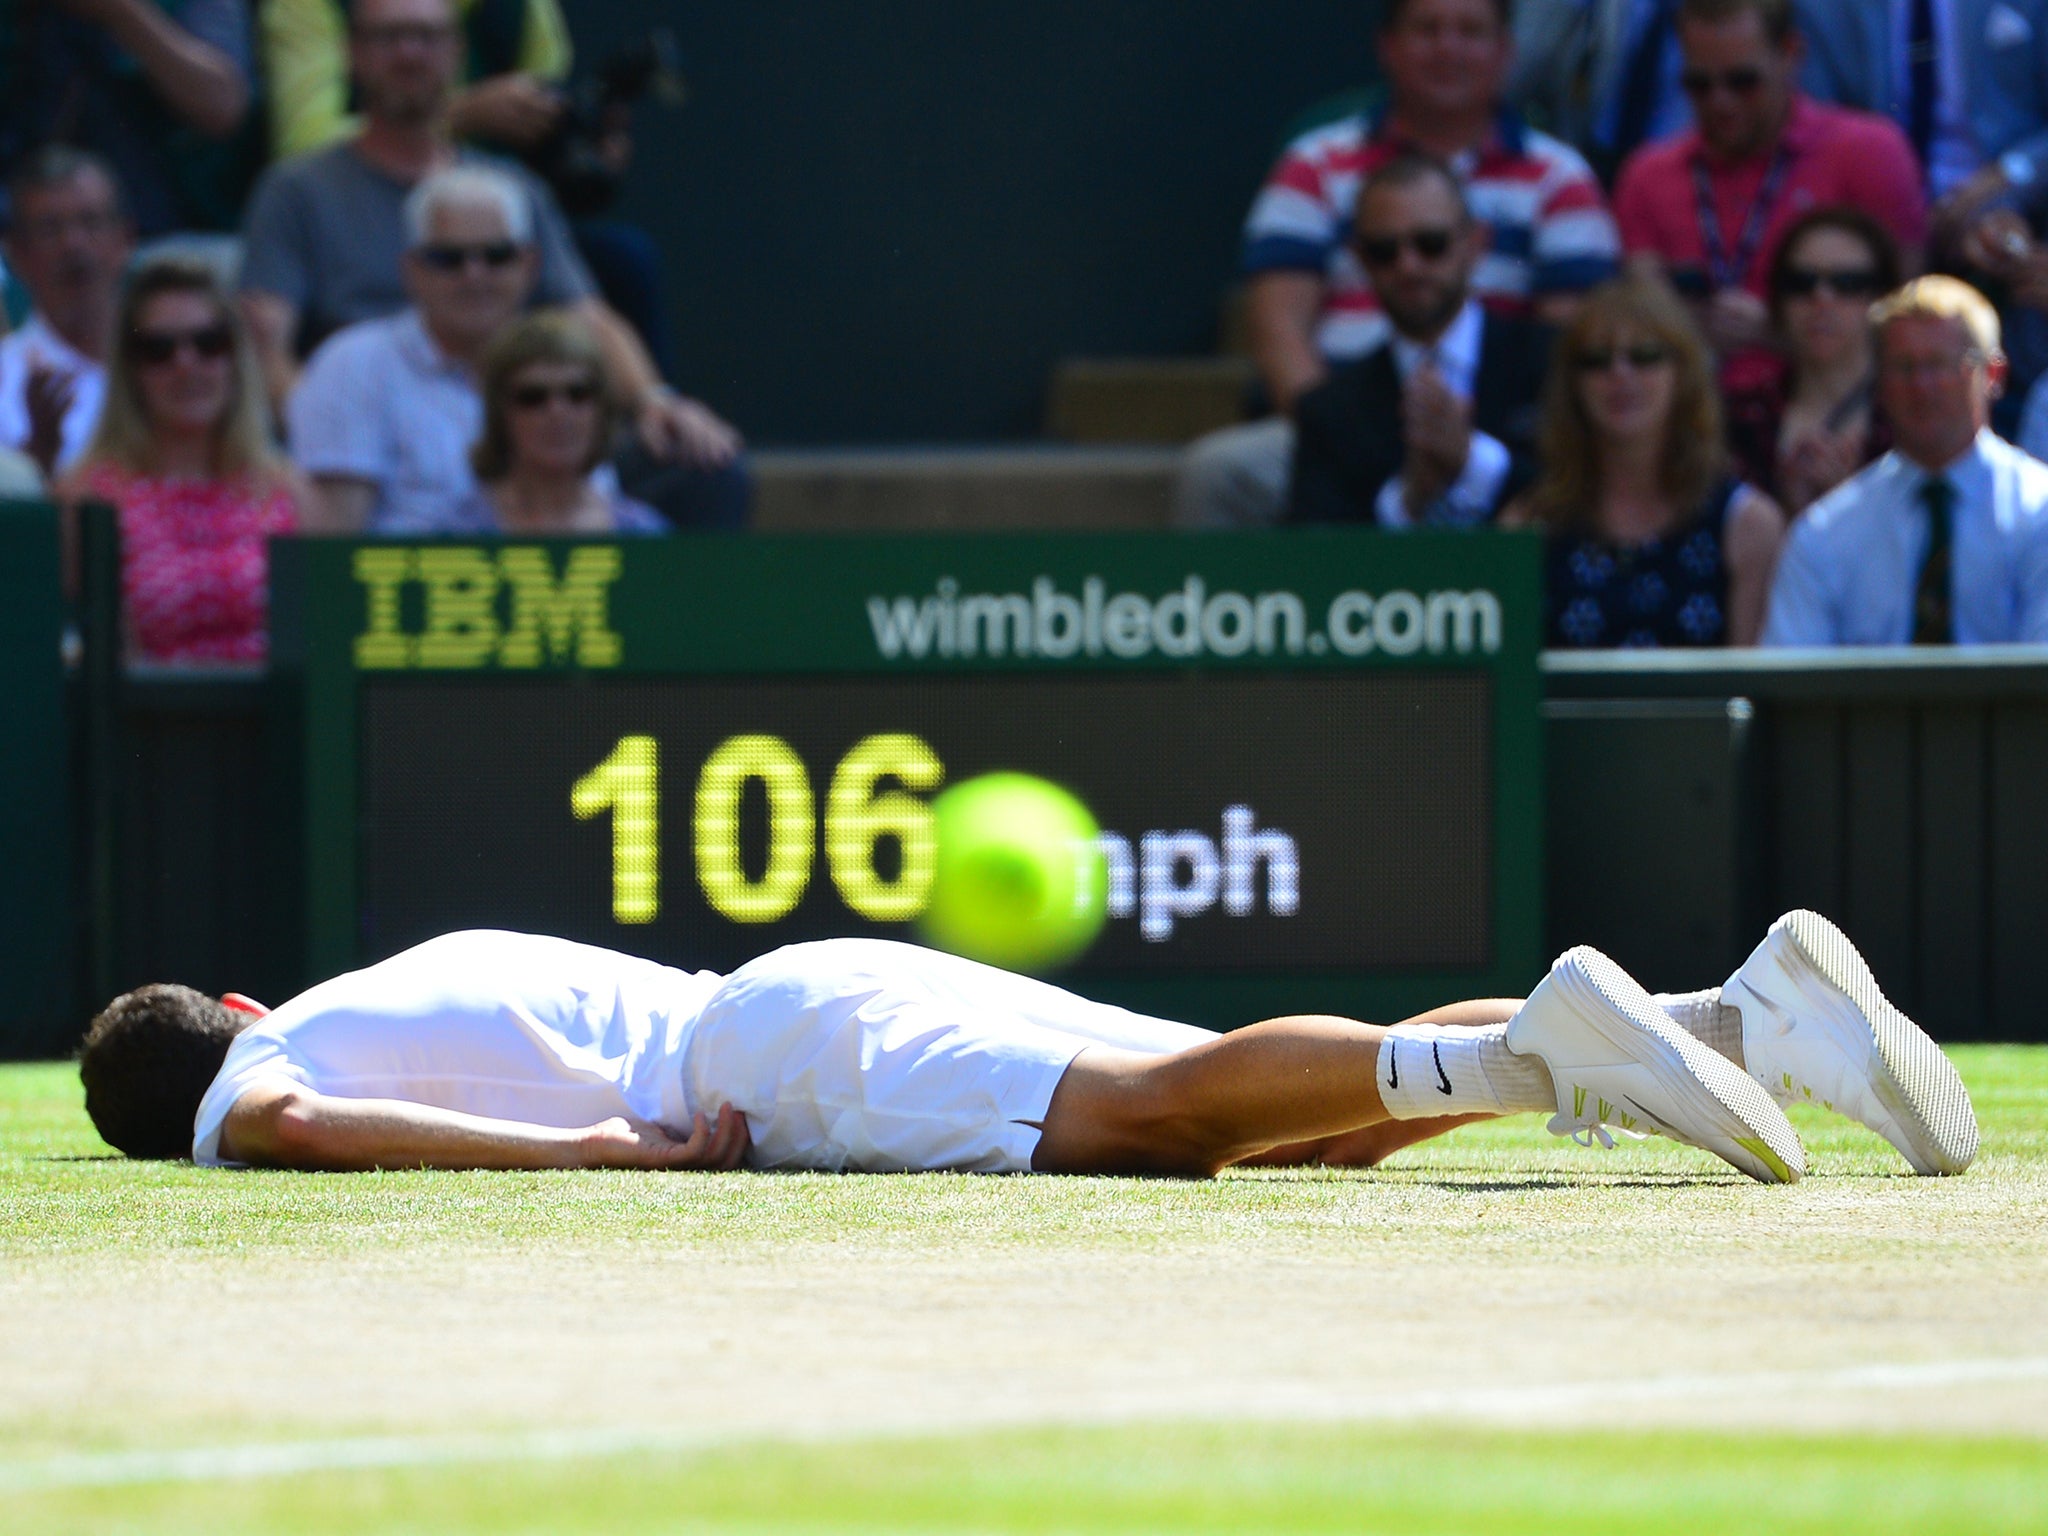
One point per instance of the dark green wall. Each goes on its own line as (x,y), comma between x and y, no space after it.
(36,917)
(887,222)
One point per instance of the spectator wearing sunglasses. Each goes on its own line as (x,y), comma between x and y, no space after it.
(1709,206)
(384,418)
(1652,540)
(1944,540)
(548,420)
(1311,304)
(183,452)
(325,231)
(1816,421)
(1436,425)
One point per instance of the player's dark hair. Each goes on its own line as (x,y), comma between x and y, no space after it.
(147,1062)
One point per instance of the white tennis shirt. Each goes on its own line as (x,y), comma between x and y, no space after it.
(510,1025)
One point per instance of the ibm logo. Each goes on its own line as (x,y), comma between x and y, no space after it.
(483,608)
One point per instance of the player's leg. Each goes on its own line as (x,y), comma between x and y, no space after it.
(1285,1086)
(1104,1024)
(1370,1145)
(1588,1041)
(1197,1111)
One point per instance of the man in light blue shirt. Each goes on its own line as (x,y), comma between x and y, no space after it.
(1944,539)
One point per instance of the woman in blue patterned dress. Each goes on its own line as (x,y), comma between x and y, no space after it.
(1653,542)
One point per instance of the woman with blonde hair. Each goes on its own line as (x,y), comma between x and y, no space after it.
(1653,542)
(548,423)
(183,451)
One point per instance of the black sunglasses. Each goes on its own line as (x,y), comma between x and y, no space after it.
(1849,283)
(1743,80)
(1644,354)
(496,254)
(531,397)
(1385,250)
(155,348)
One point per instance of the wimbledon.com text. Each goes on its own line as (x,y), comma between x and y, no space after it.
(1186,622)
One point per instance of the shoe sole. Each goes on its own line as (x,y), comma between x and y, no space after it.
(1915,1081)
(1758,1138)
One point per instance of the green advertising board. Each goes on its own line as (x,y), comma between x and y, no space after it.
(1314,757)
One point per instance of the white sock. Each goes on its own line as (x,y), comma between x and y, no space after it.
(1428,1070)
(1707,1019)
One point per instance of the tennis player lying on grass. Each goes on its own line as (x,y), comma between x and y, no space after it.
(503,1050)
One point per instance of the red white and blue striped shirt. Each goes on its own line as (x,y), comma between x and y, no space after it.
(1551,231)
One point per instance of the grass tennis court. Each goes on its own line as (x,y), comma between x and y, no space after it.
(1500,1332)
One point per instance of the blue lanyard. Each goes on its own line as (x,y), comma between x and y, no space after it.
(1723,270)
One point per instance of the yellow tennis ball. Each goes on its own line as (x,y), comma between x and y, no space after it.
(1020,881)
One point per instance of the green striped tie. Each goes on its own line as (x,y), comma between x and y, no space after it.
(1934,620)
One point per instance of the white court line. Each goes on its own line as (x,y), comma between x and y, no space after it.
(1520,1404)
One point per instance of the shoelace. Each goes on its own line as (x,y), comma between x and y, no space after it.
(1591,1131)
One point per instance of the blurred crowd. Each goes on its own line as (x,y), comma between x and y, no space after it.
(1744,303)
(306,266)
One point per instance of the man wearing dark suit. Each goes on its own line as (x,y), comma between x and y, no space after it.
(1436,425)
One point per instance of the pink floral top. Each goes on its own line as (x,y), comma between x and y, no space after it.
(195,574)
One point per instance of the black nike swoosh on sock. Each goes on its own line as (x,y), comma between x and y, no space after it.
(1443,1081)
(1393,1065)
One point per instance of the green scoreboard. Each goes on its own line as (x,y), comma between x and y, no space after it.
(1314,757)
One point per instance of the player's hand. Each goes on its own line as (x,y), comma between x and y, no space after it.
(624,1142)
(675,428)
(514,109)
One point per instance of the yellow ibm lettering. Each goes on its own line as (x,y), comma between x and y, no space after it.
(560,620)
(565,618)
(462,603)
(383,643)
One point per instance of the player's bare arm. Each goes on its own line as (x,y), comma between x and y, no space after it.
(284,1125)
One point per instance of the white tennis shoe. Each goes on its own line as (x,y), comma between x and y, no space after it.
(1816,1029)
(1618,1062)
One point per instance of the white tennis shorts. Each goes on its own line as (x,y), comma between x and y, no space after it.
(878,1057)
